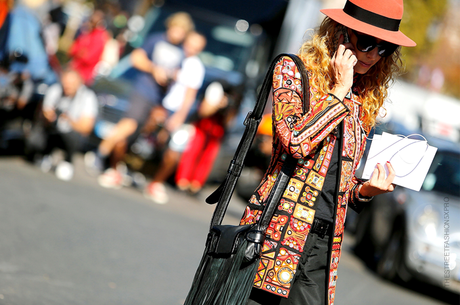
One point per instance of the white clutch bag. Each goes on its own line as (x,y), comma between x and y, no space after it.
(410,156)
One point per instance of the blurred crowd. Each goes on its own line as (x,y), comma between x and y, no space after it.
(52,55)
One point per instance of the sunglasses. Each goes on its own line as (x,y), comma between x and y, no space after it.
(366,43)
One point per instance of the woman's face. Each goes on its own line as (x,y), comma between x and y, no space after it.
(365,59)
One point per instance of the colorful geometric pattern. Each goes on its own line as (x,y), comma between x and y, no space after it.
(309,137)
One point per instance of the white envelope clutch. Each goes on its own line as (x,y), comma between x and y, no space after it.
(410,157)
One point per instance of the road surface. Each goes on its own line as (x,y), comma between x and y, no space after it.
(78,243)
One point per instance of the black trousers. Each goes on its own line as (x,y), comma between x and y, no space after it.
(310,284)
(71,142)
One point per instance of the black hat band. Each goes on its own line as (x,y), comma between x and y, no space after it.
(371,18)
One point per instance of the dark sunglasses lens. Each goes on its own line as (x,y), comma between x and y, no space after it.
(365,43)
(386,49)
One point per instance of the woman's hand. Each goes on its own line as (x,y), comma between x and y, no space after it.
(343,63)
(378,184)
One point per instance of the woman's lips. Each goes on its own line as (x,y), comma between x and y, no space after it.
(364,64)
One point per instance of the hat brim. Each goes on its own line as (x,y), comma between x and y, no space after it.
(391,36)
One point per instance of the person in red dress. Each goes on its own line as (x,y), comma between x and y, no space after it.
(87,49)
(215,112)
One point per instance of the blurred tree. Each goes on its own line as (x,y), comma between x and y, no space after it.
(445,54)
(421,22)
(434,26)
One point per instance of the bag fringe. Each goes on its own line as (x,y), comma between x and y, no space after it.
(220,281)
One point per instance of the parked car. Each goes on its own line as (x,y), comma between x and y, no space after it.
(407,234)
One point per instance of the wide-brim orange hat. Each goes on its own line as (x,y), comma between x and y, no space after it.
(378,18)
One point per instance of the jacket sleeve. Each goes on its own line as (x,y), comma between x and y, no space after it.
(300,133)
(355,200)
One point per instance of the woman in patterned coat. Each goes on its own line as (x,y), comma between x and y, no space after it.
(351,61)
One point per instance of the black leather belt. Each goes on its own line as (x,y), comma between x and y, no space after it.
(321,227)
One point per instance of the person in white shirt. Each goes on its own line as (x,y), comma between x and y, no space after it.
(189,80)
(70,111)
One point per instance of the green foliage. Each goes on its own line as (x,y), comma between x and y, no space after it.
(419,23)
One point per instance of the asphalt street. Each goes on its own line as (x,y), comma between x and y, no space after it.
(78,243)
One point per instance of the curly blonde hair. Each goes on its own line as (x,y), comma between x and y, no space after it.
(372,86)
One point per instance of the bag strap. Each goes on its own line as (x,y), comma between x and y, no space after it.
(277,192)
(223,193)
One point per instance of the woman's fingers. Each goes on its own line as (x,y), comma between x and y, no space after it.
(336,59)
(349,46)
(343,62)
(350,58)
(343,54)
(354,60)
(374,176)
(380,180)
(344,58)
(391,176)
(347,53)
(380,174)
(391,172)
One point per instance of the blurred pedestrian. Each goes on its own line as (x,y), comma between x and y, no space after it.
(178,103)
(54,25)
(351,61)
(109,58)
(198,159)
(16,88)
(159,60)
(25,45)
(70,111)
(87,48)
(5,16)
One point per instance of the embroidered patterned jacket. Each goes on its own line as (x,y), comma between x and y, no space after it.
(310,139)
